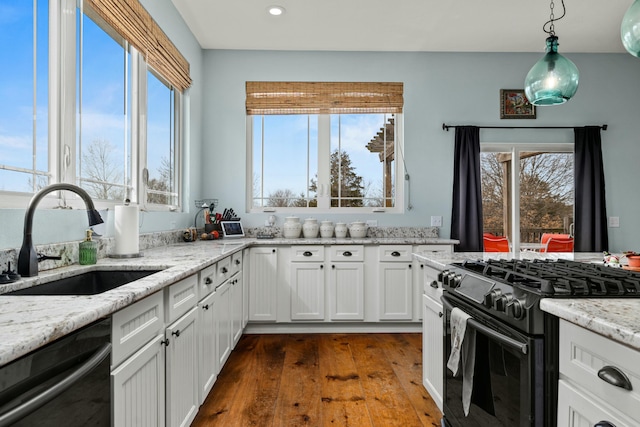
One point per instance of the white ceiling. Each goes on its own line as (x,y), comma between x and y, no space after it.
(404,25)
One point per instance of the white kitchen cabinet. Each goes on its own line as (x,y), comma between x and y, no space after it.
(307,286)
(346,290)
(245,289)
(306,282)
(432,335)
(138,386)
(577,408)
(432,349)
(182,398)
(207,341)
(586,397)
(395,287)
(134,326)
(223,322)
(236,298)
(263,284)
(346,282)
(419,275)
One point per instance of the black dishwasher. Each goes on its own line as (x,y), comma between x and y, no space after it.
(65,383)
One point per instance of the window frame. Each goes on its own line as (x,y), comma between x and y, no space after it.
(62,155)
(515,149)
(324,176)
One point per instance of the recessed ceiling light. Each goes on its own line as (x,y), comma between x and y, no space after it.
(275,10)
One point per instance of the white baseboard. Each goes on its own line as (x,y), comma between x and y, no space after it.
(332,328)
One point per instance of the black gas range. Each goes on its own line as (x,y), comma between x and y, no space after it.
(516,367)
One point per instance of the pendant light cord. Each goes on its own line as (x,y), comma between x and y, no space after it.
(553,18)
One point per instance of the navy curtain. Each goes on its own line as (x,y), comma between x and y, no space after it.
(591,233)
(466,216)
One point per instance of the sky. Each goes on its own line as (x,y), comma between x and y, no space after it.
(103,95)
(286,139)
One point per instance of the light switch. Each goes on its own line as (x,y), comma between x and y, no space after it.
(614,221)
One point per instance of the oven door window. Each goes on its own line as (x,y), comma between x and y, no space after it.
(504,386)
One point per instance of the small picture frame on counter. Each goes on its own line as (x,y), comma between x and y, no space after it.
(232,229)
(515,105)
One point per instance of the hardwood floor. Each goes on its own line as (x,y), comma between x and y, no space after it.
(322,380)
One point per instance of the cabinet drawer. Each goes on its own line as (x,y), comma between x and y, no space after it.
(180,297)
(577,408)
(307,253)
(133,326)
(207,281)
(432,288)
(393,253)
(583,353)
(434,248)
(224,270)
(236,262)
(347,253)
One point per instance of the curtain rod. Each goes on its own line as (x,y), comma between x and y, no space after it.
(447,127)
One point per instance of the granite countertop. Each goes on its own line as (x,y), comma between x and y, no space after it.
(28,322)
(615,318)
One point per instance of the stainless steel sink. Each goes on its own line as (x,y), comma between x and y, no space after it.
(89,283)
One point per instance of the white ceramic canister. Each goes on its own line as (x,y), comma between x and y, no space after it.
(310,228)
(341,230)
(326,229)
(358,230)
(292,227)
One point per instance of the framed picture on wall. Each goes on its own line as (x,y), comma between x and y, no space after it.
(515,105)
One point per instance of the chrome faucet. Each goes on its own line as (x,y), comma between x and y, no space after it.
(28,258)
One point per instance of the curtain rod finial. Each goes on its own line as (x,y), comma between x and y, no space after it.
(445,127)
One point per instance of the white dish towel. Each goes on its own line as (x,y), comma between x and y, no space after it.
(463,343)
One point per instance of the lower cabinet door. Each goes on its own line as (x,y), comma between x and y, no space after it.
(182,370)
(307,291)
(396,290)
(346,290)
(223,323)
(138,387)
(577,409)
(432,349)
(207,340)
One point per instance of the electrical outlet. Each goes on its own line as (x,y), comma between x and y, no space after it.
(372,223)
(436,221)
(614,221)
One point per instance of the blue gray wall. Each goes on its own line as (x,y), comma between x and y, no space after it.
(456,88)
(461,88)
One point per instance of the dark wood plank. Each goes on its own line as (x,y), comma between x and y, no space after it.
(343,401)
(386,399)
(298,401)
(406,360)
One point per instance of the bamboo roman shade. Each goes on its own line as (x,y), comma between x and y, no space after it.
(323,97)
(134,23)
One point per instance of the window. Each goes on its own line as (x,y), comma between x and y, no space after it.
(24,150)
(306,153)
(161,153)
(103,140)
(113,102)
(539,201)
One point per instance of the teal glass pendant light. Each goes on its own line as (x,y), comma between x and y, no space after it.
(630,29)
(553,80)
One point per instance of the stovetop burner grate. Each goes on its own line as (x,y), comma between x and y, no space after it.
(561,277)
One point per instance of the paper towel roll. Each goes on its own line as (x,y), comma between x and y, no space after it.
(127,229)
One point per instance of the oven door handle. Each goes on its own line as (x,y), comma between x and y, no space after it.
(50,393)
(503,339)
